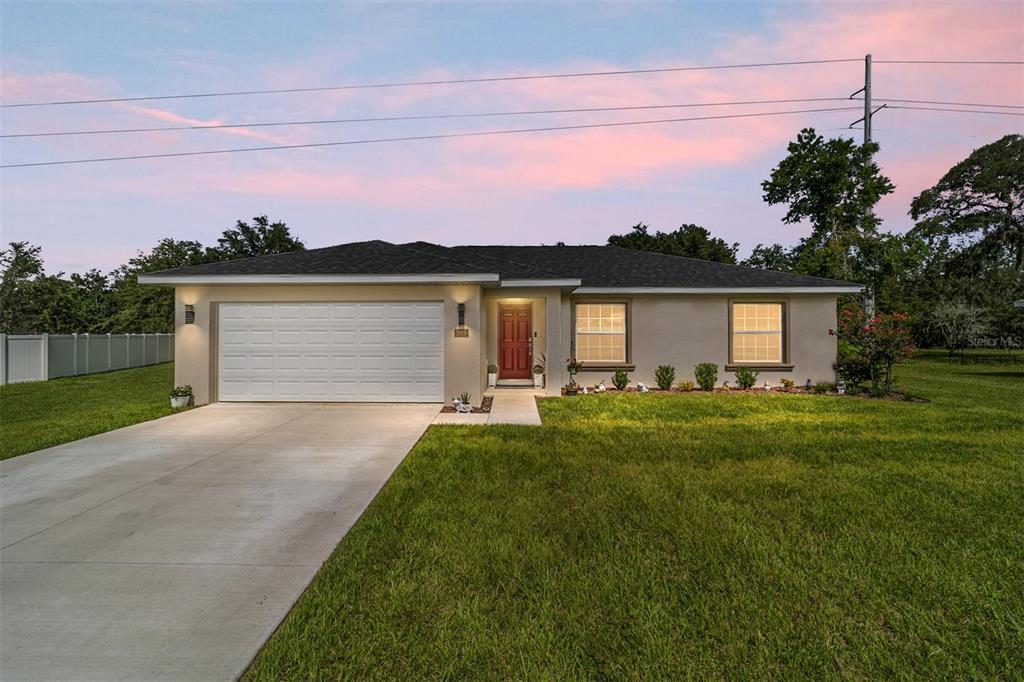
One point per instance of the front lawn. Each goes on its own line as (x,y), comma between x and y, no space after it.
(702,536)
(45,413)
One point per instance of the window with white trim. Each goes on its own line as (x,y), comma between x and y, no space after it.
(601,332)
(757,330)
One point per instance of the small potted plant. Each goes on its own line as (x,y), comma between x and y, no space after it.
(180,396)
(492,375)
(538,372)
(573,367)
(465,403)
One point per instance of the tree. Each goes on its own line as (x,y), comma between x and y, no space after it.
(959,324)
(262,238)
(147,308)
(774,257)
(692,241)
(835,185)
(980,199)
(20,265)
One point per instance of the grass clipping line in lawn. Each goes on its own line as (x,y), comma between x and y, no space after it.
(667,536)
(46,413)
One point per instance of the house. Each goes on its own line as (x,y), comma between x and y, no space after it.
(382,322)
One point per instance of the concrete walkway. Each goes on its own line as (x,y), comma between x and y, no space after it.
(172,549)
(510,406)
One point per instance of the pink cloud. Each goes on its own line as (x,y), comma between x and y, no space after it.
(508,175)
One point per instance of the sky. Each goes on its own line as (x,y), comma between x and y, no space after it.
(576,186)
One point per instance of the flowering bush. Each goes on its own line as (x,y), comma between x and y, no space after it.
(870,347)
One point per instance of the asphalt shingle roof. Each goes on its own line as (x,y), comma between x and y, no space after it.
(595,266)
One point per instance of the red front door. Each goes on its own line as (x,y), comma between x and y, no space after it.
(515,329)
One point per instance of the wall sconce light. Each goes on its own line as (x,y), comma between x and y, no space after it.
(461,330)
(190,314)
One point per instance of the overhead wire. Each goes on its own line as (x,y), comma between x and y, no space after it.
(417,117)
(411,138)
(404,84)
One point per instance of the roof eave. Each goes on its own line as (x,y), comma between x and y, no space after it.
(439,278)
(540,282)
(830,289)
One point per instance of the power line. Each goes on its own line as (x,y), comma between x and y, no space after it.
(960,111)
(421,117)
(946,61)
(438,136)
(457,81)
(954,104)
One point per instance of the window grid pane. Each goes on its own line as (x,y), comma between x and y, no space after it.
(757,332)
(601,332)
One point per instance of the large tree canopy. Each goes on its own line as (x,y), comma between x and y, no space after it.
(262,238)
(692,241)
(834,184)
(32,301)
(981,200)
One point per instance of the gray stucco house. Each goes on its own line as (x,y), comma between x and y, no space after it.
(419,322)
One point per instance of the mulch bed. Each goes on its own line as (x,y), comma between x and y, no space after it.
(485,406)
(898,397)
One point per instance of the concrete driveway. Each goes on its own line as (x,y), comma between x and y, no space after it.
(172,549)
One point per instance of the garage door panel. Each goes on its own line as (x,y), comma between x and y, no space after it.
(331,351)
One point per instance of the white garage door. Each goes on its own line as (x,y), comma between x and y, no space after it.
(375,352)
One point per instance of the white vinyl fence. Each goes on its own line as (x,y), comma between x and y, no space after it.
(38,357)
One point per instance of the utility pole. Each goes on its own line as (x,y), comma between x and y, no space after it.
(867,98)
(869,293)
(868,112)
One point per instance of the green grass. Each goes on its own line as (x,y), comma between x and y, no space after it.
(46,413)
(690,536)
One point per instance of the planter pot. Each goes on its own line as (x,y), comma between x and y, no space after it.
(179,401)
(538,381)
(463,407)
(492,380)
(571,391)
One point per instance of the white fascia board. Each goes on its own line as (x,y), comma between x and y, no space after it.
(319,279)
(541,283)
(719,290)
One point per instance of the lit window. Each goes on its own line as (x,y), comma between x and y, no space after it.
(757,332)
(601,332)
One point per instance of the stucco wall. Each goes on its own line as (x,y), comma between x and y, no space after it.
(547,326)
(680,330)
(685,329)
(196,344)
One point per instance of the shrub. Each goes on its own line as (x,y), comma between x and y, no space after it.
(686,385)
(492,369)
(620,379)
(706,374)
(823,387)
(787,384)
(181,391)
(878,342)
(664,376)
(852,369)
(746,377)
